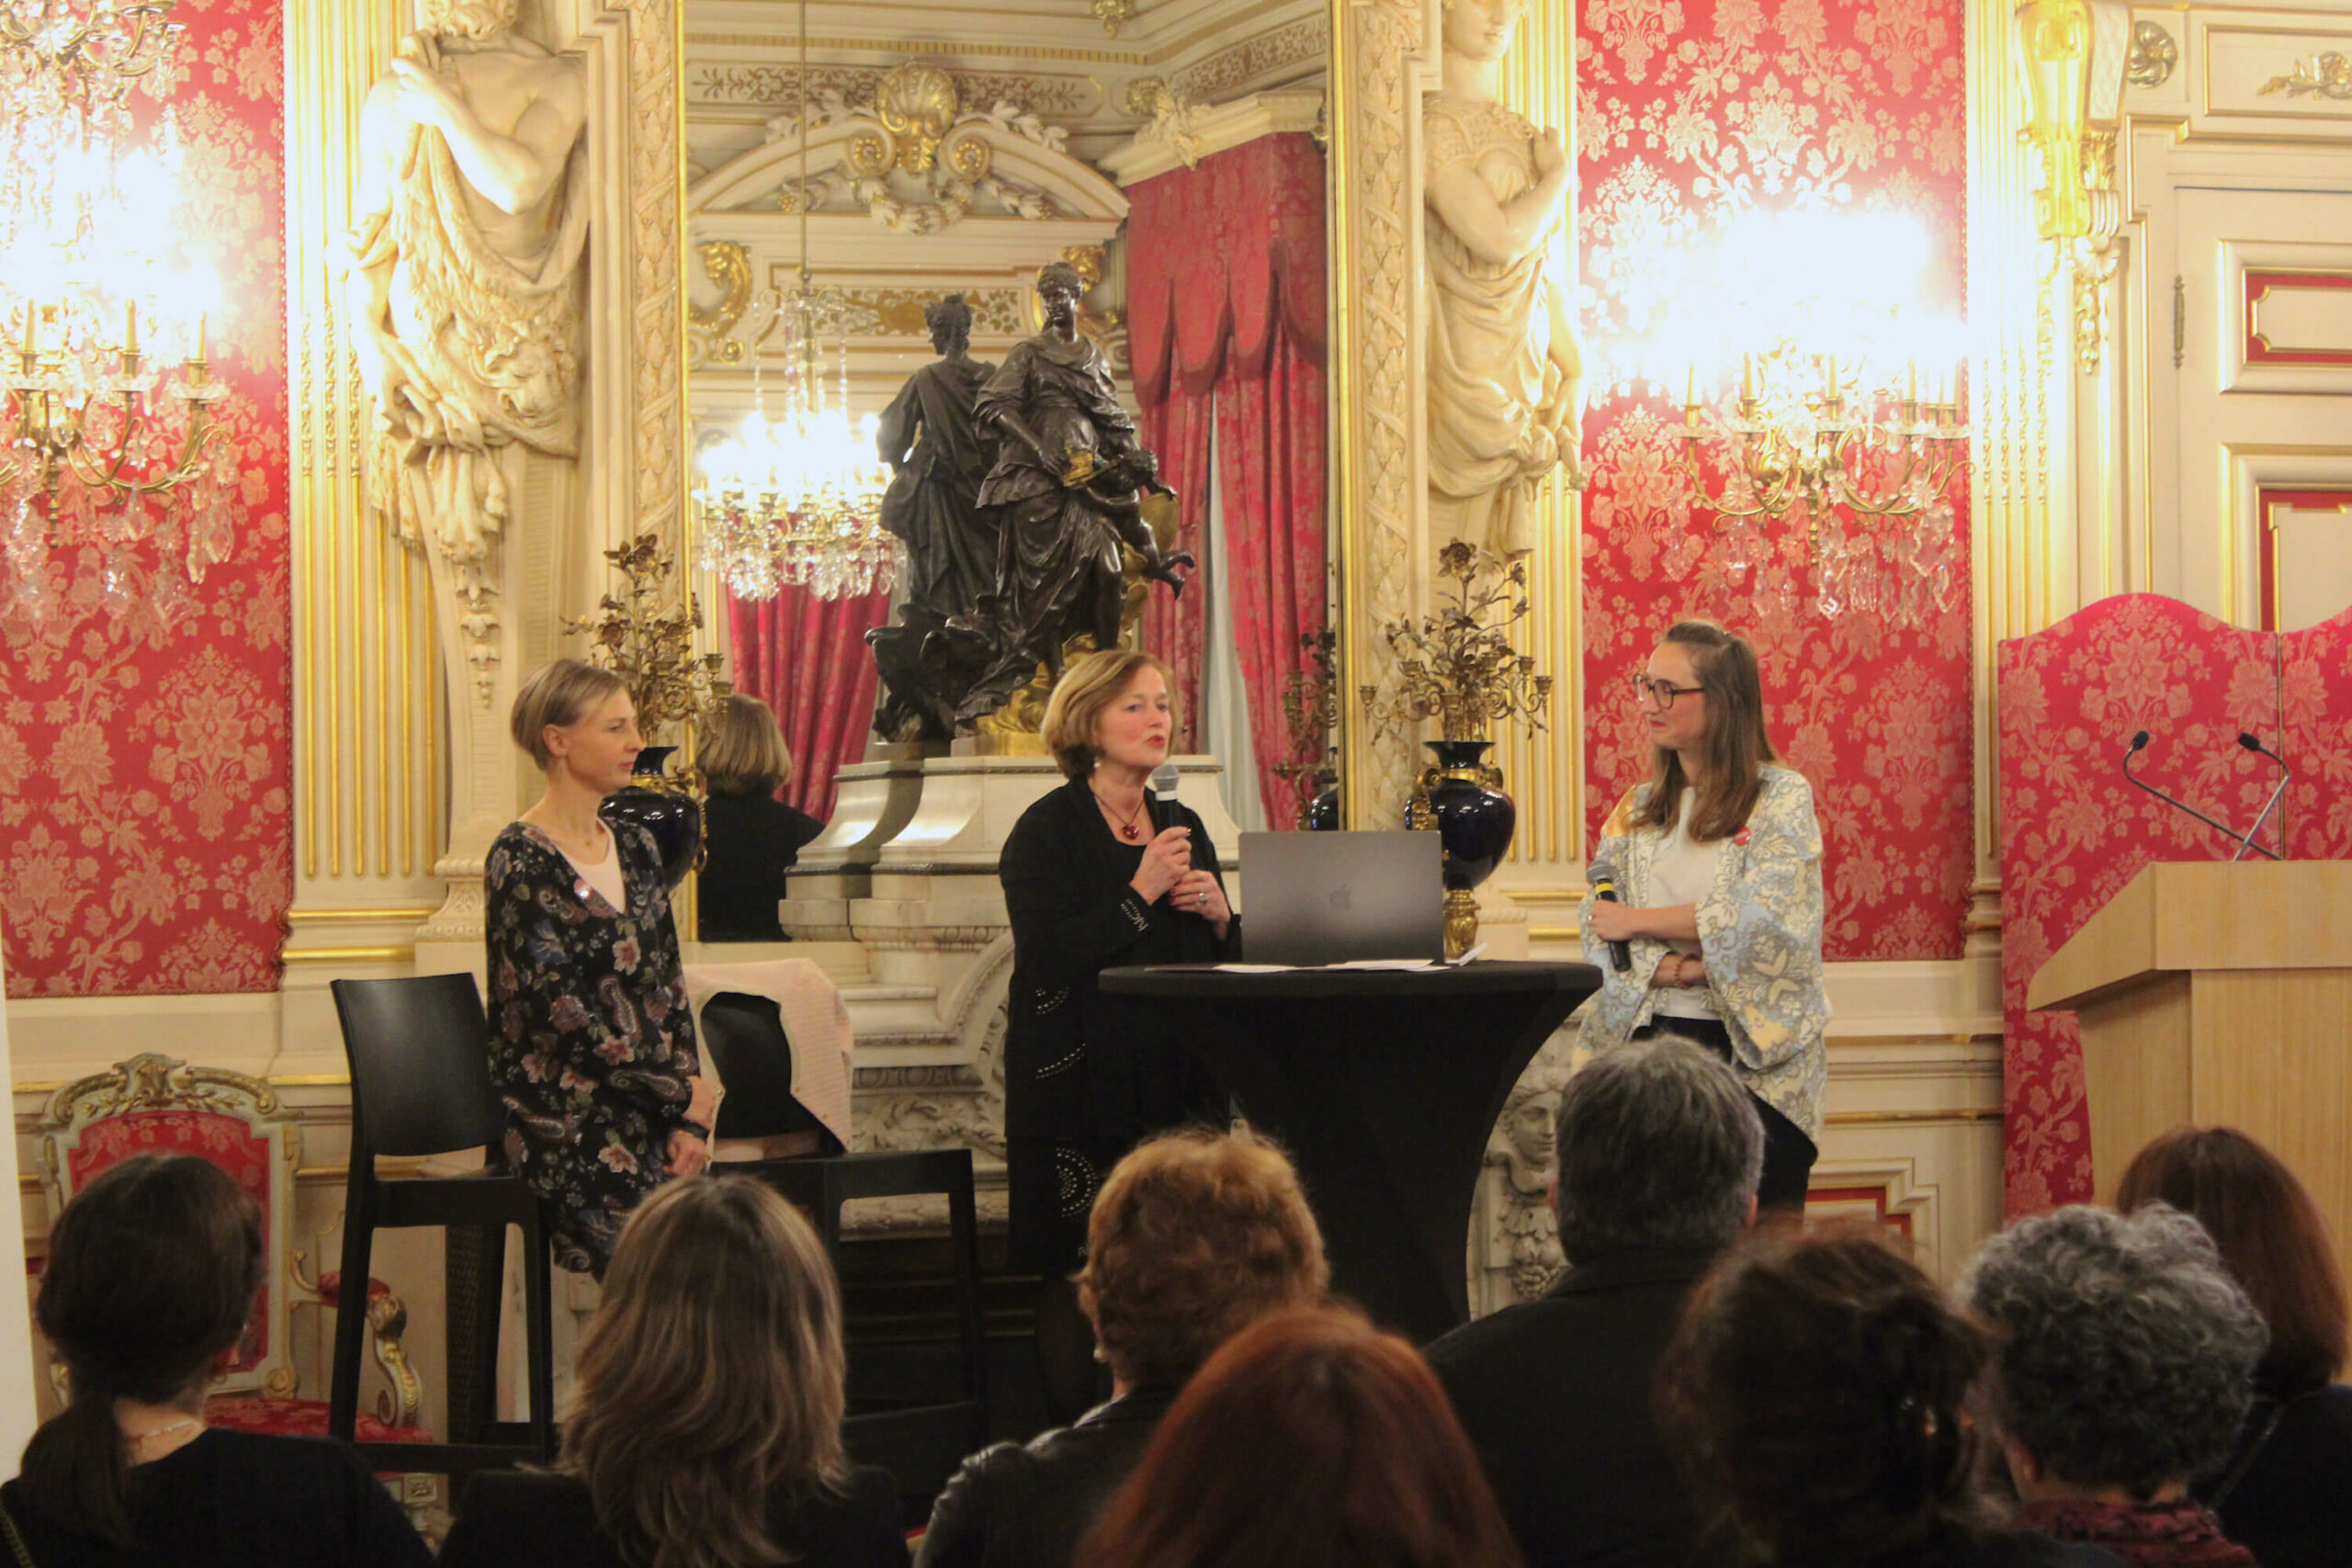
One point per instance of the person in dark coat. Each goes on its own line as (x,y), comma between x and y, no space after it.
(1660,1148)
(2123,1370)
(939,457)
(707,1423)
(152,1270)
(1195,1235)
(753,838)
(2286,1493)
(1817,1397)
(1097,873)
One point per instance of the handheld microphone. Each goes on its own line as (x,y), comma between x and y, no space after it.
(1603,878)
(2139,744)
(2285,773)
(1164,779)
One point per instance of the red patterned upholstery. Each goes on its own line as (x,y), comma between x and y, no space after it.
(298,1418)
(2073,831)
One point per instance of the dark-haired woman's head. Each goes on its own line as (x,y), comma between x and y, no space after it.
(2126,1353)
(1313,1440)
(1814,1394)
(1702,699)
(2271,1238)
(153,1268)
(712,1377)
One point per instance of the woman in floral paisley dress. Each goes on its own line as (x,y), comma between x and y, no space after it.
(592,1044)
(1717,861)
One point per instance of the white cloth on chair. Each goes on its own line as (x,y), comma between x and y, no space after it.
(815,1021)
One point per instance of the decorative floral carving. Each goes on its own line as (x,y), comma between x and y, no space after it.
(916,103)
(1287,51)
(2329,75)
(729,264)
(1170,114)
(2152,56)
(936,149)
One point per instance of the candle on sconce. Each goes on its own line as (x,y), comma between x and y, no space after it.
(1911,381)
(32,326)
(1747,378)
(199,337)
(130,327)
(1691,386)
(1829,376)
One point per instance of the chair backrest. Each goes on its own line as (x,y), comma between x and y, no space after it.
(744,1037)
(420,1064)
(153,1104)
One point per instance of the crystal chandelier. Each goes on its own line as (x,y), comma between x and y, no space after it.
(1850,419)
(795,503)
(106,437)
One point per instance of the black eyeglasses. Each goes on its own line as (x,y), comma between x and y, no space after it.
(1660,693)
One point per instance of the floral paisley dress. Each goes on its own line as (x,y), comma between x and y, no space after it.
(592,1044)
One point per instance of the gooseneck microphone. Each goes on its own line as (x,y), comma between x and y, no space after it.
(2285,773)
(1603,878)
(2139,744)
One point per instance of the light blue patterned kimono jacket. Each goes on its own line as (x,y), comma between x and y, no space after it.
(1759,929)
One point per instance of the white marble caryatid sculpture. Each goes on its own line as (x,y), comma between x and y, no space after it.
(466,292)
(1505,379)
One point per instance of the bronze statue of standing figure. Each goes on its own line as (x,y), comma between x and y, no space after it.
(1064,487)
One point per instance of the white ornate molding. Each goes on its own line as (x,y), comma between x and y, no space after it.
(1182,133)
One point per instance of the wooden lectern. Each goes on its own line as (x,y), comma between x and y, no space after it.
(2219,995)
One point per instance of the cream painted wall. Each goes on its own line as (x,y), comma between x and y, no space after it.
(18,1373)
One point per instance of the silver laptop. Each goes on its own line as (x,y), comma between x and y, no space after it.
(1334,898)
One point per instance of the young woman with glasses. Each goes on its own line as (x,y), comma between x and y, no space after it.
(1716,859)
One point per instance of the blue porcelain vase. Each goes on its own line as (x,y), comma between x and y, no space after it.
(1475,821)
(664,807)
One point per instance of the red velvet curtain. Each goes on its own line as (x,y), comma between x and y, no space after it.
(1226,307)
(806,657)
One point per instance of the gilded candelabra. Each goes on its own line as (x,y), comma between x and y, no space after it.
(1807,432)
(1458,666)
(1310,709)
(647,638)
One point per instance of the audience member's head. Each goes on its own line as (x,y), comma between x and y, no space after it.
(151,1273)
(710,1382)
(2271,1238)
(1194,1235)
(1815,1395)
(2124,1353)
(1659,1146)
(742,750)
(1313,1440)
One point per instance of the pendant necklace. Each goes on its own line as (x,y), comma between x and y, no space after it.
(1128,828)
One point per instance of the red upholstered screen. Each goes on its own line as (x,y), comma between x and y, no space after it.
(1226,304)
(146,814)
(1690,113)
(2073,831)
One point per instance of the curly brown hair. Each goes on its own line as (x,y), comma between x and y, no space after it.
(1195,1235)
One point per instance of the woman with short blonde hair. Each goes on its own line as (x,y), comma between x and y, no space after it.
(755,839)
(591,1045)
(706,1431)
(1099,872)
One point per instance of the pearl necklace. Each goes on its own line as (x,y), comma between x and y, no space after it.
(150,1437)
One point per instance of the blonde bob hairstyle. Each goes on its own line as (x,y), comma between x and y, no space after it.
(561,694)
(1195,1235)
(744,752)
(712,1377)
(1074,713)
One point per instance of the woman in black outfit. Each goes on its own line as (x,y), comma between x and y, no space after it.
(151,1279)
(2286,1493)
(707,1429)
(1097,875)
(753,837)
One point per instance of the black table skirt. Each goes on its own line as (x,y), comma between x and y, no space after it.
(1384,1087)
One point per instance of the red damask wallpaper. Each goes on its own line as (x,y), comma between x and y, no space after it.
(146,812)
(2074,830)
(1692,114)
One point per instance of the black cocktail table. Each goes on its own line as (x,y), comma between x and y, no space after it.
(1384,1086)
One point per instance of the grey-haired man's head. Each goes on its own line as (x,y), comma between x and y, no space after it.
(1659,1148)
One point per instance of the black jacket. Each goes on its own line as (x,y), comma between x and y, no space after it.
(1028,1506)
(754,839)
(1555,1397)
(522,1518)
(2290,1495)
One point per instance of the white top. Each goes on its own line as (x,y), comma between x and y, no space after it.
(604,877)
(1684,873)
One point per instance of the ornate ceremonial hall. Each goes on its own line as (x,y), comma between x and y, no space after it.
(1986,366)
